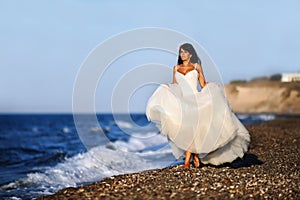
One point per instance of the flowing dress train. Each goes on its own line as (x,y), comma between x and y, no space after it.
(199,122)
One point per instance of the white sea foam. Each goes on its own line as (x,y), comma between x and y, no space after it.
(266,117)
(124,124)
(66,130)
(262,117)
(136,144)
(243,116)
(94,165)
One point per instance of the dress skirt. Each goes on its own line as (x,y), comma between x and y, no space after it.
(200,122)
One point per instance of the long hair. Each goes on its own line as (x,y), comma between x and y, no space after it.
(189,48)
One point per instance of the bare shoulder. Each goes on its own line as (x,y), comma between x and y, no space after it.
(175,68)
(198,67)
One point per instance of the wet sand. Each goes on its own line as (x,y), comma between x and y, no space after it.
(270,169)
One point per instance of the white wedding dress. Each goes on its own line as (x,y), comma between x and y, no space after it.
(199,122)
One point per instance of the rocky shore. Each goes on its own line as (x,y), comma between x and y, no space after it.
(270,169)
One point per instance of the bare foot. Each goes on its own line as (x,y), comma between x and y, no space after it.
(186,165)
(196,161)
(187,160)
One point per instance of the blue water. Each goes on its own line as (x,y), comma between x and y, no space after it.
(43,153)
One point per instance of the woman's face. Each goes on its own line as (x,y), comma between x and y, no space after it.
(185,55)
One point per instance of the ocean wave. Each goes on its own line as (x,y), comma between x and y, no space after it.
(94,165)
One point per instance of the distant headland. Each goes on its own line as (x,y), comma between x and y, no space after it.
(278,94)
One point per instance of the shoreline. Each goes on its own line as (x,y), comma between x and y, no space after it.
(270,169)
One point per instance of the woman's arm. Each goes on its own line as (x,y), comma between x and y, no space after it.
(174,72)
(201,77)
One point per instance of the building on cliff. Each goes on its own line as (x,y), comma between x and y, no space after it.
(290,77)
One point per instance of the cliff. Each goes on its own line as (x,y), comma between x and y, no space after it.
(264,96)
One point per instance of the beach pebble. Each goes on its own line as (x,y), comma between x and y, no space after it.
(269,170)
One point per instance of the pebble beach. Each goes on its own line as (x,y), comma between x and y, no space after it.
(269,170)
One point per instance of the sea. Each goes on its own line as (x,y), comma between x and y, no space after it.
(43,153)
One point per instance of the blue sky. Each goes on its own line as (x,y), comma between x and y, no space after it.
(43,43)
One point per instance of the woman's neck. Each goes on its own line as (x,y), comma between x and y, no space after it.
(186,63)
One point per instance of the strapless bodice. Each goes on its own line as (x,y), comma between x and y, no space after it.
(187,82)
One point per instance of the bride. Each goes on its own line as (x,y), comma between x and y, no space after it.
(199,124)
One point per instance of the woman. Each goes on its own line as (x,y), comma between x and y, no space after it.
(197,124)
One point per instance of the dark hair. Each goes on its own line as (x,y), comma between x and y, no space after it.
(188,47)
